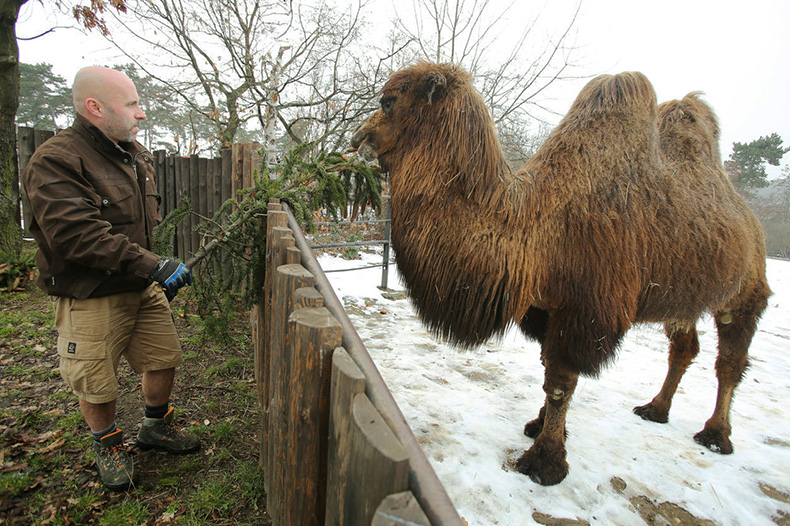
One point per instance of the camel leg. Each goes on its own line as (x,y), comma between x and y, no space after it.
(545,461)
(683,348)
(533,325)
(734,340)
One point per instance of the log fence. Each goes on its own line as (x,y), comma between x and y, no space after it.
(335,448)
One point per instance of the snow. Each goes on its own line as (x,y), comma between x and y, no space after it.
(468,410)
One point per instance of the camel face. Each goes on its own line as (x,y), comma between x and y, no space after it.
(376,137)
(404,102)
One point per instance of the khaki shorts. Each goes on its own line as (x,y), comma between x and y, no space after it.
(94,333)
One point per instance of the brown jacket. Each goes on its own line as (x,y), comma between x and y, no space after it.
(94,206)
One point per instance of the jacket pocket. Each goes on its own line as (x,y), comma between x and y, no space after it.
(117,204)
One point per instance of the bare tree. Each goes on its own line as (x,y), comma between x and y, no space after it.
(513,67)
(289,69)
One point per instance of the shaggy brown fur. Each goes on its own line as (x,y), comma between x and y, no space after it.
(609,224)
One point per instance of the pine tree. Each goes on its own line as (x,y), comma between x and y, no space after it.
(746,165)
(44,98)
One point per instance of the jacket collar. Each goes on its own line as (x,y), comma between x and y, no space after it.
(101,142)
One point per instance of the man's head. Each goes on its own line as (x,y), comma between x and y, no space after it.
(108,99)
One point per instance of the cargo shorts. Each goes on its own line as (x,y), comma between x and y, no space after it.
(94,333)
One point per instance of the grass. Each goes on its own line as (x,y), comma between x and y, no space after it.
(45,450)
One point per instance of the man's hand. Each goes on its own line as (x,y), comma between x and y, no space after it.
(172,275)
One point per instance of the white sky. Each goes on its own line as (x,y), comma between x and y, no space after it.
(734,51)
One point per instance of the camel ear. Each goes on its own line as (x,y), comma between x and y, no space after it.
(432,83)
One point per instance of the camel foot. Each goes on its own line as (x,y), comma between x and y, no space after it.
(714,440)
(652,413)
(546,466)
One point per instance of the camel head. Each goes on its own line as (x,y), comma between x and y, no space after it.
(410,104)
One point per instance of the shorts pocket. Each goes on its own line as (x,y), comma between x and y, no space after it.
(87,369)
(84,320)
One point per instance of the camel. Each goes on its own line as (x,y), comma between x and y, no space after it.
(615,220)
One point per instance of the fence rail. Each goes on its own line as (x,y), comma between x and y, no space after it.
(337,449)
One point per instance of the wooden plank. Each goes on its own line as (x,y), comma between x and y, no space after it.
(226,160)
(203,176)
(347,382)
(171,197)
(160,170)
(25,149)
(182,230)
(286,279)
(237,165)
(313,333)
(194,196)
(41,136)
(399,509)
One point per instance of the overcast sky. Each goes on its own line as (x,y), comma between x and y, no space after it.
(736,52)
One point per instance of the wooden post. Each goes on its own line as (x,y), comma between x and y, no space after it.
(286,280)
(275,218)
(377,457)
(347,382)
(313,332)
(398,509)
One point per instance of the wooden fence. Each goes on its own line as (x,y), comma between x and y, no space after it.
(207,183)
(335,448)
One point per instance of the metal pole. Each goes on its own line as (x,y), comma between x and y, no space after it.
(385,267)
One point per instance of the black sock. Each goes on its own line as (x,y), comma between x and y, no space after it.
(98,435)
(158,411)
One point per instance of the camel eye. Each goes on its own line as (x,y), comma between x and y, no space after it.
(387,104)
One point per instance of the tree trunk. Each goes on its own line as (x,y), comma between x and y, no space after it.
(10,230)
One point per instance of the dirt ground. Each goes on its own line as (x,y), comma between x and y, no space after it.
(46,466)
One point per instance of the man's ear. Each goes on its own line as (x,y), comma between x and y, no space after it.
(94,107)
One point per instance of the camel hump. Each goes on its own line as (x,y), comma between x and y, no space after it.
(691,112)
(611,92)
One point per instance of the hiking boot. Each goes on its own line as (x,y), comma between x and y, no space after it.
(116,467)
(161,433)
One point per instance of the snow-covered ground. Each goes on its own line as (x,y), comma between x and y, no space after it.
(468,410)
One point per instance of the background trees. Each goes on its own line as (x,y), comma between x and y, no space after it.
(46,99)
(746,165)
(514,62)
(284,69)
(769,199)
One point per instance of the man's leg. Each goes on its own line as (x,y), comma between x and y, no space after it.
(155,350)
(158,430)
(98,416)
(91,337)
(157,386)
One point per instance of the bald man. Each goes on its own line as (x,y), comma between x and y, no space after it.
(94,205)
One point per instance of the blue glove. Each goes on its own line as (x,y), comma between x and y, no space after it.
(172,275)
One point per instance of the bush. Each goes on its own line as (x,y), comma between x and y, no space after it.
(16,270)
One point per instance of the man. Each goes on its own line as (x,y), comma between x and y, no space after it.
(94,204)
